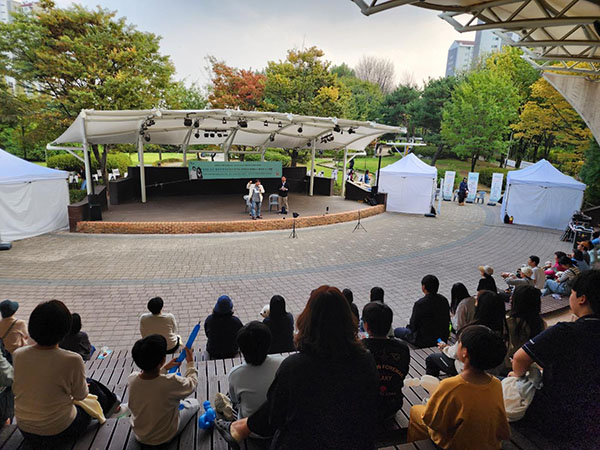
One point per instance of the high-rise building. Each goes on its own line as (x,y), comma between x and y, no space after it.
(6,7)
(459,57)
(486,42)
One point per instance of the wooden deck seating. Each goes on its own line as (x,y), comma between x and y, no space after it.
(116,434)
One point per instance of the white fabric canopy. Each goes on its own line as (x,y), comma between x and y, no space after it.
(410,185)
(541,195)
(33,199)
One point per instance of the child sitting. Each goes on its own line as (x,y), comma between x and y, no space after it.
(155,322)
(77,341)
(154,396)
(466,411)
(392,357)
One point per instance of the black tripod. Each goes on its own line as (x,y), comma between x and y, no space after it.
(359,225)
(293,234)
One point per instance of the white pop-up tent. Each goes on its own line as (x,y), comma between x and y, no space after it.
(33,199)
(410,185)
(541,195)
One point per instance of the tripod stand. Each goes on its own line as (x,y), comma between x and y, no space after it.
(293,234)
(359,225)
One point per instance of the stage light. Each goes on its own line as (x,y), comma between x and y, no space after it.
(212,135)
(279,124)
(242,123)
(300,129)
(272,137)
(266,123)
(187,122)
(197,135)
(205,134)
(351,130)
(224,121)
(147,137)
(219,135)
(308,144)
(337,128)
(196,124)
(296,215)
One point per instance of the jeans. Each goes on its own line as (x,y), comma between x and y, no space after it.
(402,333)
(437,362)
(255,209)
(551,286)
(63,440)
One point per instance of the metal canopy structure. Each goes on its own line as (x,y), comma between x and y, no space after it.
(554,34)
(223,128)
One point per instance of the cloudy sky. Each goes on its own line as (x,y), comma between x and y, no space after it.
(248,34)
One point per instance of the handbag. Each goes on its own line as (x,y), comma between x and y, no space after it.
(518,392)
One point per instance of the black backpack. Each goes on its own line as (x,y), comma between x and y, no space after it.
(3,349)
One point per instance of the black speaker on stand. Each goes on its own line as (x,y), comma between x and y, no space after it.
(95,207)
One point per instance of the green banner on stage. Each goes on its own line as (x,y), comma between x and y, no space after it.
(211,170)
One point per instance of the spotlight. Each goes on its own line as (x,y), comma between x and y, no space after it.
(197,134)
(219,135)
(351,131)
(205,134)
(266,123)
(151,122)
(295,214)
(272,137)
(279,124)
(147,137)
(142,131)
(337,128)
(196,124)
(308,144)
(187,122)
(242,123)
(212,135)
(300,129)
(224,121)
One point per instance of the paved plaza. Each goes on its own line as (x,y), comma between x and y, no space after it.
(108,279)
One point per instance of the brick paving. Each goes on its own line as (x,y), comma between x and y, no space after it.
(109,278)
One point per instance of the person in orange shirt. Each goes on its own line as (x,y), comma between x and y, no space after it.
(466,412)
(13,331)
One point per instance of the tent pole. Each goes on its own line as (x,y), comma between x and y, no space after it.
(312,167)
(142,168)
(344,173)
(86,158)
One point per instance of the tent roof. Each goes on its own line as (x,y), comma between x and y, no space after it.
(410,165)
(542,173)
(217,127)
(15,170)
(548,31)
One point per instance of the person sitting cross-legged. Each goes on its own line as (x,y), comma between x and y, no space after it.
(562,285)
(158,413)
(430,319)
(392,357)
(466,411)
(566,408)
(157,322)
(221,329)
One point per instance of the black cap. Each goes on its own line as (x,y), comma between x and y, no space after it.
(8,308)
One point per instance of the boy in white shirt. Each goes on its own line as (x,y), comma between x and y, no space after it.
(155,322)
(155,396)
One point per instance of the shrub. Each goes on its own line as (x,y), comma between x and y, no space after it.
(485,175)
(272,155)
(69,163)
(167,161)
(66,162)
(76,195)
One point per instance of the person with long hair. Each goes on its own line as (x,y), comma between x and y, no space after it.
(462,306)
(490,312)
(524,320)
(325,395)
(281,324)
(76,340)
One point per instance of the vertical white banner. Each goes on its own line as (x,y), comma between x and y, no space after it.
(496,189)
(448,185)
(472,182)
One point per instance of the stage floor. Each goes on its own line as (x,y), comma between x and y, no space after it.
(218,208)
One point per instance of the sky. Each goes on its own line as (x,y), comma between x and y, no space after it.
(248,34)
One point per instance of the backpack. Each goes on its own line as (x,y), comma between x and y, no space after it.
(3,349)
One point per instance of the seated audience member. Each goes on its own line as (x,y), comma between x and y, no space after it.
(324,396)
(579,260)
(591,251)
(562,286)
(524,320)
(462,306)
(47,380)
(376,294)
(430,319)
(489,312)
(466,411)
(250,381)
(281,324)
(350,297)
(155,396)
(155,322)
(13,331)
(539,277)
(523,278)
(76,340)
(487,282)
(392,357)
(7,409)
(565,409)
(550,270)
(221,329)
(582,247)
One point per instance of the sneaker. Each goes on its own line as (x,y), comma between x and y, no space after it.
(224,406)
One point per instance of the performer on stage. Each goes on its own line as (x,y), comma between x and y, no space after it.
(256,198)
(283,197)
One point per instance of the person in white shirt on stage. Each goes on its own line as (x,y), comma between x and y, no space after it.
(256,198)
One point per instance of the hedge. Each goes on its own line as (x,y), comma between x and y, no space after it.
(76,195)
(485,175)
(69,163)
(271,155)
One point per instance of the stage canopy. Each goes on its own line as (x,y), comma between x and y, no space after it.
(410,185)
(220,127)
(33,199)
(541,195)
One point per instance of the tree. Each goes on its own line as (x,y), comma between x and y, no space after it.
(303,84)
(77,59)
(428,111)
(378,71)
(398,107)
(476,119)
(365,99)
(180,96)
(235,88)
(590,172)
(508,62)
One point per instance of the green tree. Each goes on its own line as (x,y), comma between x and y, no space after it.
(476,120)
(509,63)
(428,111)
(365,100)
(398,107)
(77,59)
(303,84)
(180,96)
(590,172)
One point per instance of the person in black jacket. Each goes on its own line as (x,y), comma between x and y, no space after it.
(281,324)
(77,341)
(282,197)
(430,319)
(350,297)
(486,283)
(221,329)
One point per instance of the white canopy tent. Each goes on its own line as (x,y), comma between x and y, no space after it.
(541,195)
(224,128)
(410,185)
(33,199)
